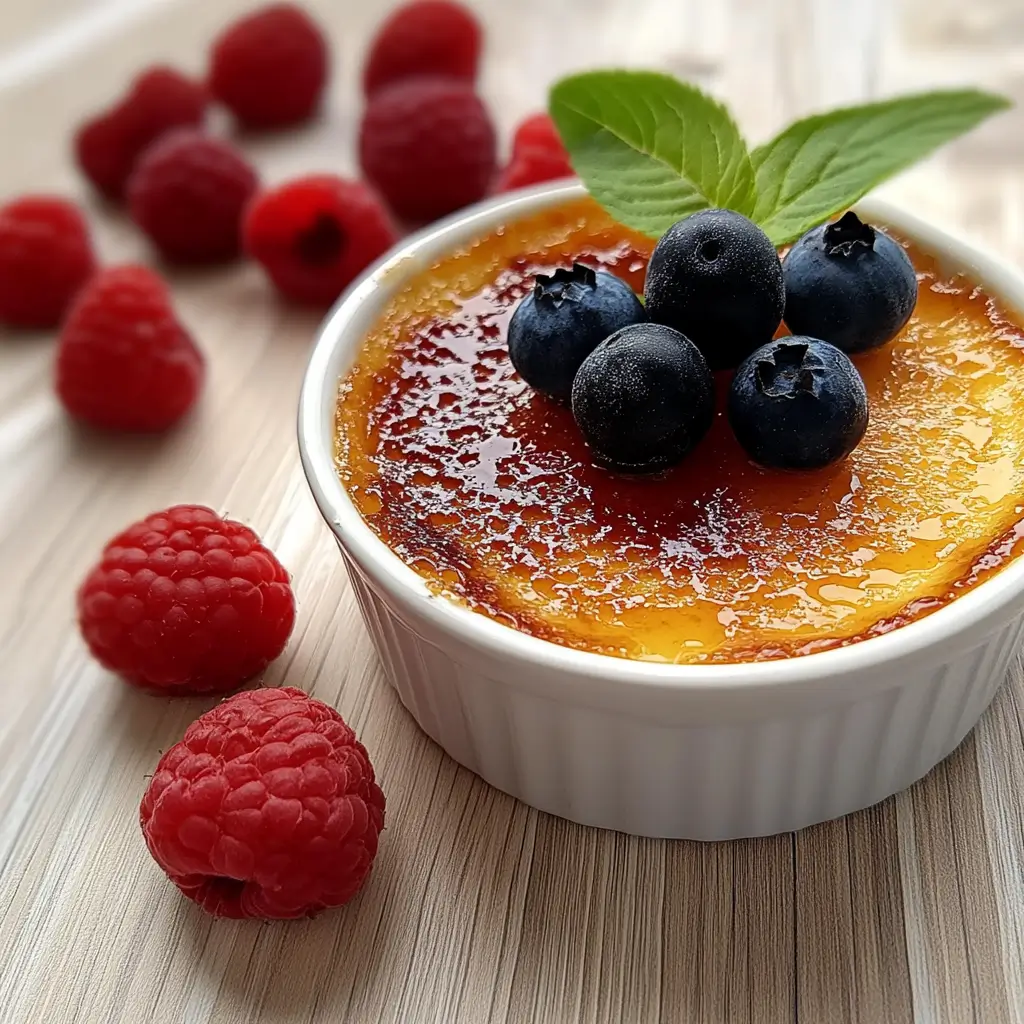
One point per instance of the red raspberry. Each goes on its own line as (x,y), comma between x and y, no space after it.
(538,131)
(315,234)
(123,360)
(537,155)
(108,146)
(186,602)
(188,193)
(45,258)
(428,146)
(270,68)
(531,167)
(428,37)
(267,808)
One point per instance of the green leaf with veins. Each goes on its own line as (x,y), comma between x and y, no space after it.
(650,148)
(824,163)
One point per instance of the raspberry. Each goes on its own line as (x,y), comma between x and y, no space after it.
(537,155)
(315,234)
(537,131)
(123,360)
(428,37)
(186,602)
(532,166)
(270,68)
(188,193)
(108,146)
(45,258)
(428,146)
(267,808)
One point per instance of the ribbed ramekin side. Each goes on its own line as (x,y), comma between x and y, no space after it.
(632,773)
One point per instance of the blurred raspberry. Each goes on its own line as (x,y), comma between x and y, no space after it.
(269,69)
(188,193)
(428,145)
(108,145)
(124,362)
(538,131)
(315,234)
(428,37)
(186,602)
(537,155)
(45,258)
(531,167)
(267,808)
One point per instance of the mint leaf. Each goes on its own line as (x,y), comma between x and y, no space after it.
(824,163)
(653,150)
(650,148)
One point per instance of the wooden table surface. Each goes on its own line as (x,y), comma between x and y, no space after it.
(479,908)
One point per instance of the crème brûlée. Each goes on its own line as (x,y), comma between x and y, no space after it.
(487,490)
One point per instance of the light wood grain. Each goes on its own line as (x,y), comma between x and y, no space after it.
(479,908)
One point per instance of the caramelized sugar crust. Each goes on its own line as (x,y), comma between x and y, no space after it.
(487,490)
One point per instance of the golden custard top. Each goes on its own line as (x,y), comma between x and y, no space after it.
(487,490)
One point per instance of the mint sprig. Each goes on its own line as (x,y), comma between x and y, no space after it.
(652,150)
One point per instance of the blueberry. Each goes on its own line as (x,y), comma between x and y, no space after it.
(798,403)
(849,284)
(716,278)
(564,318)
(643,398)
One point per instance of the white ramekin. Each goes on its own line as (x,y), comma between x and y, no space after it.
(697,752)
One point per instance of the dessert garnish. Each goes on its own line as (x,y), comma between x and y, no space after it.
(428,146)
(652,150)
(643,398)
(313,235)
(537,155)
(566,316)
(798,403)
(186,602)
(188,193)
(424,38)
(716,277)
(46,256)
(268,808)
(108,145)
(849,284)
(125,361)
(669,161)
(270,67)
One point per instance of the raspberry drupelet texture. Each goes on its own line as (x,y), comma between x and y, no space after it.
(188,193)
(267,808)
(428,145)
(184,601)
(428,37)
(159,100)
(269,69)
(315,234)
(124,362)
(45,258)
